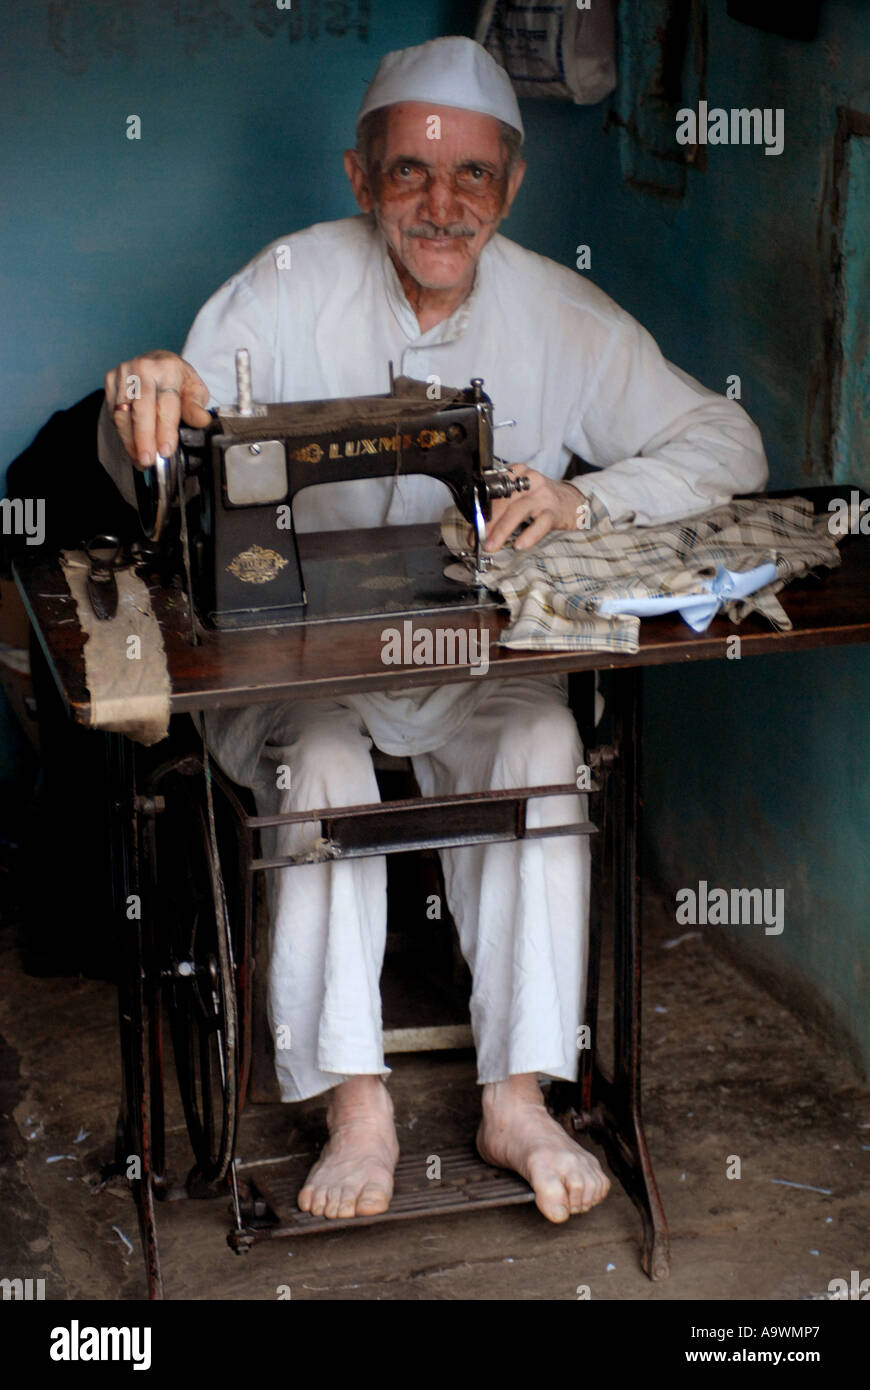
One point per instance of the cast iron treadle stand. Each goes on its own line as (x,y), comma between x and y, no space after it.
(211,1020)
(133,1155)
(609,1108)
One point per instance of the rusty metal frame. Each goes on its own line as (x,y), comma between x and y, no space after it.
(388,827)
(608,1107)
(142,1084)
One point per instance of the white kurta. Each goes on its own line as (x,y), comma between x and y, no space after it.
(322,313)
(574,370)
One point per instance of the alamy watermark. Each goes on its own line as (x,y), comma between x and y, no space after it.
(27,1290)
(740,126)
(856,1288)
(23,516)
(77,1343)
(440,646)
(850,518)
(737,907)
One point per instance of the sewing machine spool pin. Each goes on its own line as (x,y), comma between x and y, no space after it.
(245,407)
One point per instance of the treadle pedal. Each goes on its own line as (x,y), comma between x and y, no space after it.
(466,1184)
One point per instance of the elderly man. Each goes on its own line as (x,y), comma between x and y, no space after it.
(422,279)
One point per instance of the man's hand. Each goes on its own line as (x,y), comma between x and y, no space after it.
(553,506)
(148,396)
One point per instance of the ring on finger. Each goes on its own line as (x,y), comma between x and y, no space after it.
(163,390)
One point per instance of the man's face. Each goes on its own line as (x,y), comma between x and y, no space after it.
(437,201)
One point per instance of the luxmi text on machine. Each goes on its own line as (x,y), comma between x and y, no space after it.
(247,565)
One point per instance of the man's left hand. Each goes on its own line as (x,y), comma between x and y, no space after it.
(549,505)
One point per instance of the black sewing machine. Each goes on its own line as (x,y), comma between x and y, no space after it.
(246,564)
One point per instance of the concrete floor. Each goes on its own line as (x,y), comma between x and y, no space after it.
(727,1073)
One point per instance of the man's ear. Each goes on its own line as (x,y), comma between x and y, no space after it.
(515,179)
(359,181)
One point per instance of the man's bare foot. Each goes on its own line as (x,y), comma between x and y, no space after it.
(354,1174)
(517,1132)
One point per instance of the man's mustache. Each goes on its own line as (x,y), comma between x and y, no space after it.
(427,231)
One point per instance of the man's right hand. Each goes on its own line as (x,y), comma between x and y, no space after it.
(148,397)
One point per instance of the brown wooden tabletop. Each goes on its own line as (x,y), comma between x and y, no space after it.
(325,659)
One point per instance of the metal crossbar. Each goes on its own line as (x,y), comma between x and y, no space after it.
(353,832)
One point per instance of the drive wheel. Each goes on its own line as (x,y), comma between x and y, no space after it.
(199,967)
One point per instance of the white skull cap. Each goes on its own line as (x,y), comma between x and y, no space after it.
(450,71)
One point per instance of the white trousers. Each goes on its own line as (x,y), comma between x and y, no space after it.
(521,908)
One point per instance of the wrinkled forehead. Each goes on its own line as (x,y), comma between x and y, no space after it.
(437,133)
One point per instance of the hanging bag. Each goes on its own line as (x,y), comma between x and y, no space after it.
(556,50)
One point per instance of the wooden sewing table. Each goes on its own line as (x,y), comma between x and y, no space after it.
(329,659)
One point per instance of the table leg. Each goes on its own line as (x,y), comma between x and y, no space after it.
(609,1107)
(134,1136)
(616,1102)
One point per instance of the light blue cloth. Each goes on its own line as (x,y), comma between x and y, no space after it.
(698,610)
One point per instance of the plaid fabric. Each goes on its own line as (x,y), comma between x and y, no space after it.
(553,591)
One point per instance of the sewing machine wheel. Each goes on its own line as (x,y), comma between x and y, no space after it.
(199,960)
(156,488)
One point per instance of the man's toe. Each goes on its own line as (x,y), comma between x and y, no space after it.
(318,1201)
(347,1205)
(333,1202)
(601,1186)
(579,1199)
(551,1198)
(372,1200)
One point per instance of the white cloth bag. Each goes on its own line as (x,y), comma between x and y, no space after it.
(556,50)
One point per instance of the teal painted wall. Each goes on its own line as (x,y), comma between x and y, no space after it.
(110,246)
(757,772)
